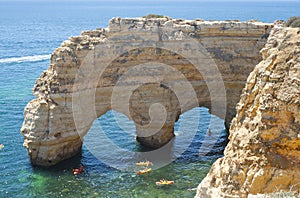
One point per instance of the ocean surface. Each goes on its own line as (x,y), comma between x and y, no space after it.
(31,30)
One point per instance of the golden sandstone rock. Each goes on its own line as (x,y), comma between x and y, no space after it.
(263,154)
(53,131)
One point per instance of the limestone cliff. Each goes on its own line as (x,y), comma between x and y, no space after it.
(263,154)
(77,82)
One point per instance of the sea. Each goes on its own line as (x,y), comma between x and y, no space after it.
(30,30)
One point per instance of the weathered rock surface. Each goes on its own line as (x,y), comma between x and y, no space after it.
(263,154)
(78,87)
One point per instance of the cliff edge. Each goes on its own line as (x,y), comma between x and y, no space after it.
(263,154)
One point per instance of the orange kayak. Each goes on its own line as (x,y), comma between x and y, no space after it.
(143,171)
(147,163)
(164,182)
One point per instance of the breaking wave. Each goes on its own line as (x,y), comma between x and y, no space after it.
(23,59)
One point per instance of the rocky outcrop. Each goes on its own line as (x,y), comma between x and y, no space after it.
(263,154)
(151,70)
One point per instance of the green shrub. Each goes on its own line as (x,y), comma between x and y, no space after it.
(296,23)
(149,16)
(198,19)
(253,20)
(293,22)
(232,20)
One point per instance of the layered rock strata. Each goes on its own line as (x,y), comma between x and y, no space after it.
(139,67)
(263,154)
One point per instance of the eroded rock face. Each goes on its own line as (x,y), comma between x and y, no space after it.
(263,154)
(95,72)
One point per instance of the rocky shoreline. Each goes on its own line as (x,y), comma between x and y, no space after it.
(263,154)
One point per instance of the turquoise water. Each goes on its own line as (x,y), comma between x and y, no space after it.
(30,31)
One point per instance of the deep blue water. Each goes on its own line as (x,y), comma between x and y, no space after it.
(30,31)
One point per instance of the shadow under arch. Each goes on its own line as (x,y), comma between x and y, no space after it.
(210,129)
(119,128)
(126,138)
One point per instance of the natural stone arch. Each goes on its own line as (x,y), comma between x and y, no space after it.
(101,74)
(158,90)
(50,129)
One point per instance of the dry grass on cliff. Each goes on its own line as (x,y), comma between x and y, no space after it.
(292,193)
(277,195)
(282,195)
(293,22)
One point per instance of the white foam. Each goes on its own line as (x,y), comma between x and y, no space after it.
(23,59)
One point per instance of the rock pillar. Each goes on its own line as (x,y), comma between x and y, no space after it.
(155,128)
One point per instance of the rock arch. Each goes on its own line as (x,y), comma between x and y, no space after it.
(86,72)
